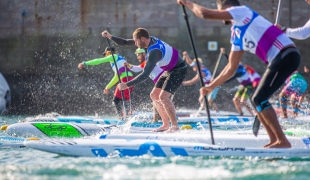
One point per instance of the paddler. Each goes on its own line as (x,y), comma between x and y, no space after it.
(155,74)
(253,33)
(166,57)
(124,72)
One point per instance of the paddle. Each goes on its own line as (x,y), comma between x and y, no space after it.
(199,72)
(256,124)
(130,110)
(118,75)
(217,64)
(93,78)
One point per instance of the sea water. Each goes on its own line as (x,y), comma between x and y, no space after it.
(25,163)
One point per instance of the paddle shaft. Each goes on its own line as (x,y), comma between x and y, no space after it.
(118,75)
(278,12)
(217,64)
(93,78)
(128,90)
(199,72)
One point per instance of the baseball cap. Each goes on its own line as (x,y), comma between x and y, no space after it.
(108,49)
(140,50)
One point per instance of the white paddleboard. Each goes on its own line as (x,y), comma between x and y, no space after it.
(159,148)
(221,138)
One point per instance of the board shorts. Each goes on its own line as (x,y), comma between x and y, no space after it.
(126,92)
(170,81)
(244,92)
(296,87)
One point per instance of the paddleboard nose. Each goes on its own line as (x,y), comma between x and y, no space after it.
(4,127)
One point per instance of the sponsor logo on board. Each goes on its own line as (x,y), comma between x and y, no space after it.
(306,141)
(208,148)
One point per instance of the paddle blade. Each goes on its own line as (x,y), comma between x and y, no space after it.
(256,126)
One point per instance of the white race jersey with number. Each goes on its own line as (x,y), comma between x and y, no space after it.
(253,33)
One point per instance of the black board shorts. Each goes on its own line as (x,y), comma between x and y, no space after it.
(170,81)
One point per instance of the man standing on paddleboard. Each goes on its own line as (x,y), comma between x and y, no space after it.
(253,33)
(166,57)
(155,74)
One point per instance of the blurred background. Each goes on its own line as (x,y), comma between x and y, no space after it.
(42,42)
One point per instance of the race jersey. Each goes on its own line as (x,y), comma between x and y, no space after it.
(296,83)
(253,33)
(155,74)
(244,77)
(294,76)
(207,74)
(122,70)
(253,74)
(169,54)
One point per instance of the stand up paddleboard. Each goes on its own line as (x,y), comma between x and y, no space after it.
(79,126)
(90,120)
(158,148)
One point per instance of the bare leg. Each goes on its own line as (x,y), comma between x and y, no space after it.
(201,101)
(155,113)
(272,137)
(170,110)
(294,105)
(213,104)
(160,108)
(270,118)
(247,106)
(283,104)
(236,101)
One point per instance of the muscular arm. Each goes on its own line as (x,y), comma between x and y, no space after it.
(229,70)
(205,13)
(123,42)
(154,56)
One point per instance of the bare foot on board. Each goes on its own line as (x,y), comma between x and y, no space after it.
(280,144)
(161,129)
(173,129)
